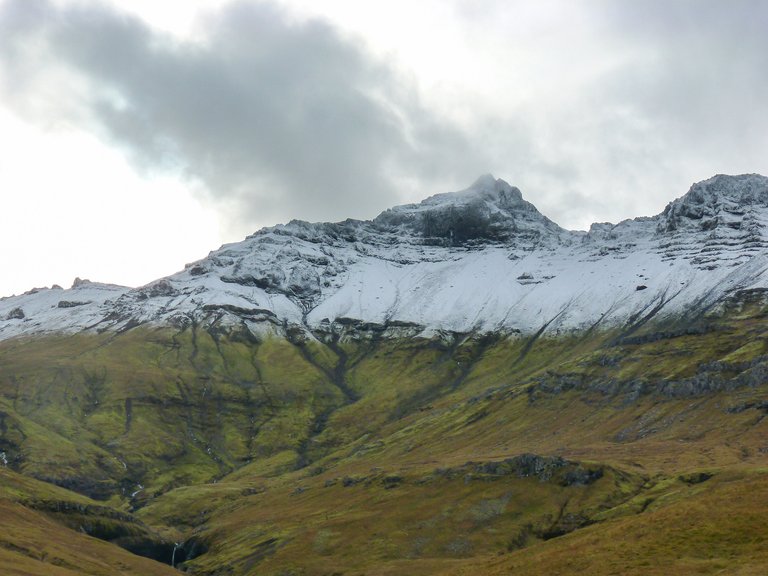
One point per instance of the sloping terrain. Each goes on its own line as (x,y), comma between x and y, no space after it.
(382,456)
(50,530)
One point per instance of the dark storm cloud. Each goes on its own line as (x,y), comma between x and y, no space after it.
(276,118)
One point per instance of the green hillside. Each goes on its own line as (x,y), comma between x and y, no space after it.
(635,451)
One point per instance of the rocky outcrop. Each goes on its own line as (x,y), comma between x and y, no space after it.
(544,468)
(15,314)
(70,303)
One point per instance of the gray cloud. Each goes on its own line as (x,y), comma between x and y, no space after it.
(629,102)
(702,76)
(275,118)
(632,101)
(687,101)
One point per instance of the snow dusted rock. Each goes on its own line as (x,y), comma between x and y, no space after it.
(488,211)
(15,314)
(482,259)
(722,201)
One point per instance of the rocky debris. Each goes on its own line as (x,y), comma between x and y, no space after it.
(392,481)
(742,406)
(523,466)
(711,377)
(555,383)
(16,314)
(579,476)
(245,280)
(564,525)
(348,481)
(708,382)
(545,468)
(158,289)
(695,477)
(271,280)
(527,278)
(377,478)
(239,311)
(304,281)
(344,328)
(71,303)
(196,269)
(657,335)
(78,282)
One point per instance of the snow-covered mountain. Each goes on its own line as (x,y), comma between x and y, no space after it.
(482,259)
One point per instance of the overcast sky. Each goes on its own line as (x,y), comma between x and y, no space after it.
(137,135)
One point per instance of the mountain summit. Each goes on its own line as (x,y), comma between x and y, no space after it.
(489,210)
(478,260)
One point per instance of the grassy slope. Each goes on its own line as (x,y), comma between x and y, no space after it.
(717,530)
(352,457)
(43,532)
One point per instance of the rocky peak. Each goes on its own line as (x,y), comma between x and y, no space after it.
(721,201)
(486,189)
(494,194)
(488,211)
(720,220)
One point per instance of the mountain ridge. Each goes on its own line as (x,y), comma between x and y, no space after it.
(478,260)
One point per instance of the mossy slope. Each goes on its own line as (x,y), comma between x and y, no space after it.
(368,455)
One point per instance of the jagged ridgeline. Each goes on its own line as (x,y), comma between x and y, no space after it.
(456,387)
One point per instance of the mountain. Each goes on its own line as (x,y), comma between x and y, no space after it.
(458,386)
(479,260)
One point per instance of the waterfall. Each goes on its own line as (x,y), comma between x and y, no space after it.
(176,545)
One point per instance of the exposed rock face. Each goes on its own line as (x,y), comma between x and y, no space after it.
(70,303)
(160,288)
(479,260)
(722,201)
(15,314)
(543,468)
(489,211)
